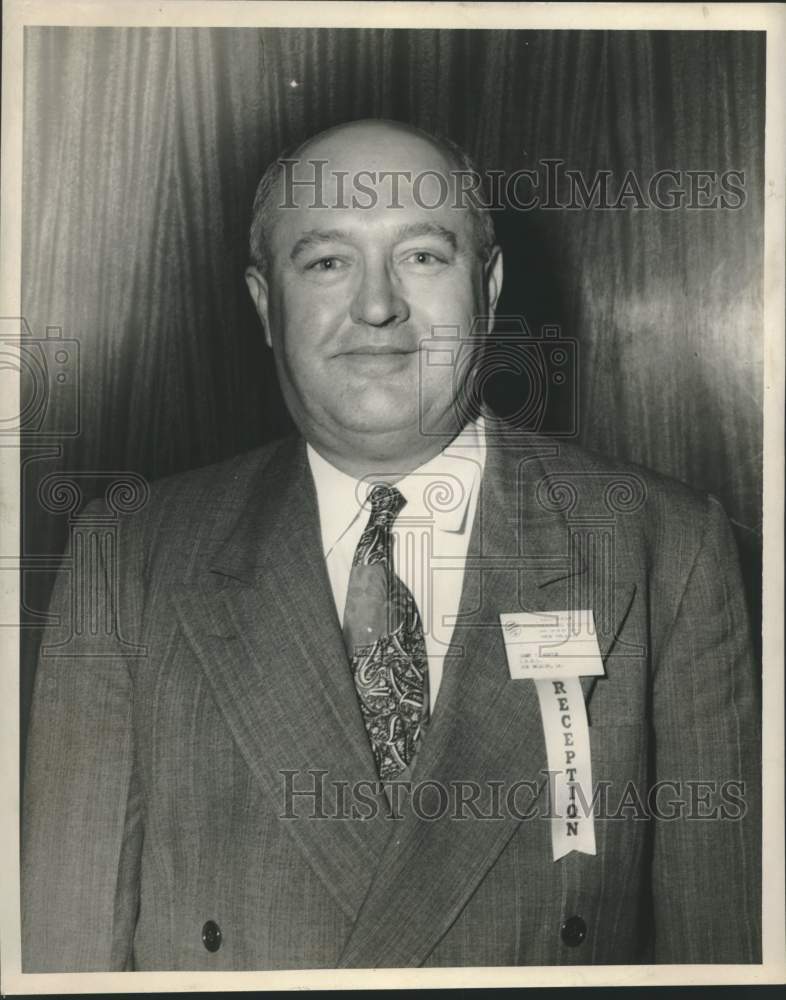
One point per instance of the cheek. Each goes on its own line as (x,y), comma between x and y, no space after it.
(303,320)
(449,354)
(455,301)
(438,381)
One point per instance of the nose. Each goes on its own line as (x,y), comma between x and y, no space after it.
(378,300)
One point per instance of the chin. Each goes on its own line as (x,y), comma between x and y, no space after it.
(381,419)
(379,408)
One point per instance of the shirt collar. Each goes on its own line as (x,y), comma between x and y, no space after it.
(438,492)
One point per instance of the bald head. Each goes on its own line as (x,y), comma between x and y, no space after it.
(363,244)
(336,166)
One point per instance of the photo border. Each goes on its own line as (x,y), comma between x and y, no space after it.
(769,18)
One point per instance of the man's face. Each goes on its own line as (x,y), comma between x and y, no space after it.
(353,293)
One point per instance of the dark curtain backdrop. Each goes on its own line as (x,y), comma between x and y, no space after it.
(142,148)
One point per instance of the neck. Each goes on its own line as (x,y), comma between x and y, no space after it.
(393,463)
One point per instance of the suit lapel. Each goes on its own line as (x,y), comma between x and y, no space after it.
(486,727)
(261,620)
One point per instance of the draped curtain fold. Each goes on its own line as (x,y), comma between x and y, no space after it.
(142,149)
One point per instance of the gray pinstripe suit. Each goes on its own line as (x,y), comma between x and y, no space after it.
(154,790)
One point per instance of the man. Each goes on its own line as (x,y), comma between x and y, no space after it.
(327,755)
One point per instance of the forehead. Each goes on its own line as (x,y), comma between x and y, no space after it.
(374,182)
(376,147)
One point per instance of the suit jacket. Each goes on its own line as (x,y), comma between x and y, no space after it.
(155,823)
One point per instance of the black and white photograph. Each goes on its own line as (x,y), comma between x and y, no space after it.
(392,490)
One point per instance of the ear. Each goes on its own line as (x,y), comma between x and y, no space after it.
(257,287)
(493,279)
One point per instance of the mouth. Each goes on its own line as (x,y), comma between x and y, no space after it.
(378,361)
(377,350)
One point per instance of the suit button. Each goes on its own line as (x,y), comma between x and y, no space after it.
(573,931)
(211,936)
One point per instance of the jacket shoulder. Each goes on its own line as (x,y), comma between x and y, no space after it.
(185,510)
(222,480)
(638,498)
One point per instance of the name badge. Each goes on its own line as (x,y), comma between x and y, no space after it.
(555,650)
(554,644)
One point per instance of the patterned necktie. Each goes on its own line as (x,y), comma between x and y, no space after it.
(383,634)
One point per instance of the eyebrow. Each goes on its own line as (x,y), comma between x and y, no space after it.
(316,237)
(414,229)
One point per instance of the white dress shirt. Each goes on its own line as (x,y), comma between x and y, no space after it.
(431,533)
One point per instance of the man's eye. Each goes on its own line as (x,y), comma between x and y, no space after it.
(425,258)
(326,264)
